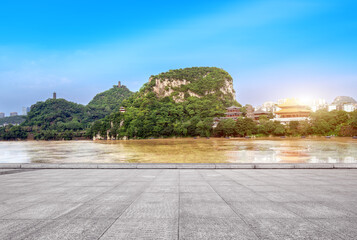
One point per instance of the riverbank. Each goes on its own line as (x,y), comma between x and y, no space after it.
(216,138)
(178,166)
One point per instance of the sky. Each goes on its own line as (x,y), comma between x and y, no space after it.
(273,49)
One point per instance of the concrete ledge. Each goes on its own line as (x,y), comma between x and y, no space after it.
(314,165)
(116,165)
(9,165)
(274,166)
(157,165)
(196,165)
(234,166)
(178,166)
(344,165)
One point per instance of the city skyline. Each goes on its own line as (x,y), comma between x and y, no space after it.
(272,49)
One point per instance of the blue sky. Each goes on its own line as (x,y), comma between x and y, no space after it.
(272,49)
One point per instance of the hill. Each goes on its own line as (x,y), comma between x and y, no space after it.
(54,113)
(107,102)
(180,102)
(193,82)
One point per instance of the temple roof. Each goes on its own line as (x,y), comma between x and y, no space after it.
(293,110)
(260,111)
(290,102)
(232,107)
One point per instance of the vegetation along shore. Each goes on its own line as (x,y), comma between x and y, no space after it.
(177,103)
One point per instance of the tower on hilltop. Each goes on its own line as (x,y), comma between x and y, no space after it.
(119,84)
(54,95)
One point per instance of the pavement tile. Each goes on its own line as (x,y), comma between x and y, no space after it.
(244,196)
(200,197)
(261,210)
(96,211)
(71,229)
(110,198)
(318,209)
(206,209)
(196,189)
(42,211)
(283,228)
(344,227)
(153,210)
(215,228)
(19,229)
(284,196)
(143,229)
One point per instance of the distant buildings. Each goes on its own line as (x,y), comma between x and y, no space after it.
(343,103)
(349,107)
(122,110)
(2,115)
(269,107)
(332,107)
(25,110)
(13,114)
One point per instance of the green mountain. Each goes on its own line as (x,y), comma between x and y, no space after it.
(55,114)
(180,84)
(107,102)
(180,102)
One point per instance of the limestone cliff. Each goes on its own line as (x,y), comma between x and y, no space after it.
(193,82)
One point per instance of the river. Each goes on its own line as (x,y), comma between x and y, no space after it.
(310,150)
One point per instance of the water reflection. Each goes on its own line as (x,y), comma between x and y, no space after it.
(336,150)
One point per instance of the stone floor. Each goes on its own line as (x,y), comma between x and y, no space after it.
(179,204)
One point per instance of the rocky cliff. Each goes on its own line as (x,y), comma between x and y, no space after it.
(192,82)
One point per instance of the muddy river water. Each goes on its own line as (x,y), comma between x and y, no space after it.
(188,150)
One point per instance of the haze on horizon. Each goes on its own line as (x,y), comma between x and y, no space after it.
(273,48)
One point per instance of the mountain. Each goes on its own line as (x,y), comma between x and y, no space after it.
(193,82)
(107,102)
(55,114)
(180,102)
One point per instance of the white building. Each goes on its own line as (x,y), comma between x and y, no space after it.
(332,107)
(349,107)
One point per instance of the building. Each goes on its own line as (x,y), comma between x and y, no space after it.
(292,110)
(54,95)
(25,110)
(318,104)
(332,107)
(344,103)
(269,107)
(122,110)
(2,115)
(350,107)
(119,84)
(258,113)
(250,111)
(13,114)
(233,112)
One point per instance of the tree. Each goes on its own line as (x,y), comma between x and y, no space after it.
(226,128)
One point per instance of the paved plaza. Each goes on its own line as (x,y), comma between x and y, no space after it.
(178,204)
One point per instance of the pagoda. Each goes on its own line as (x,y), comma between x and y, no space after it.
(291,110)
